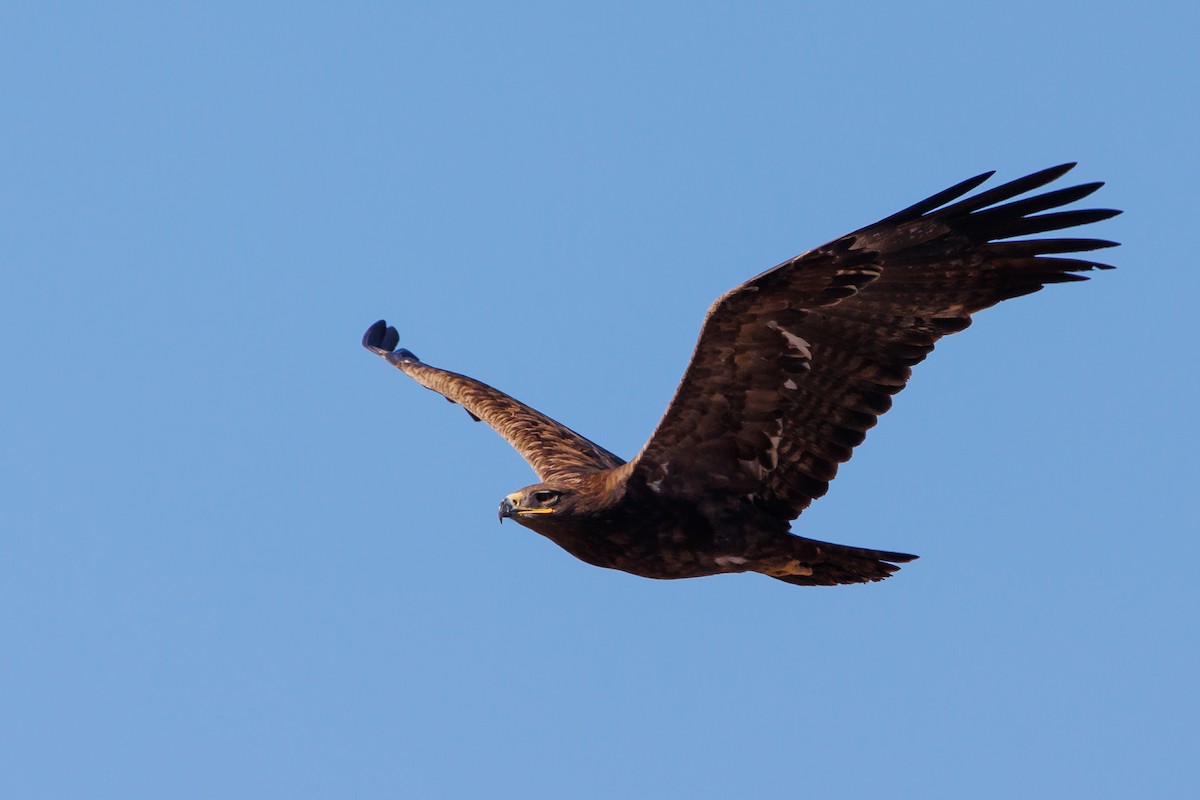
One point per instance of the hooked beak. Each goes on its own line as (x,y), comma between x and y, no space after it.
(511,508)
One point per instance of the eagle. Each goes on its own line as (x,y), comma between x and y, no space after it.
(791,370)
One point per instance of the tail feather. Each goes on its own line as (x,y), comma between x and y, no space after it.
(808,562)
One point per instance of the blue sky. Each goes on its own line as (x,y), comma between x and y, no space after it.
(243,558)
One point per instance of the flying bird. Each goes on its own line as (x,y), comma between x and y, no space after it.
(791,370)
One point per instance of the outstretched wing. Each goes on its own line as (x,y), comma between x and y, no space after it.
(794,366)
(552,449)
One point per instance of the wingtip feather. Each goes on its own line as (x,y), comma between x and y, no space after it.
(374,337)
(381,339)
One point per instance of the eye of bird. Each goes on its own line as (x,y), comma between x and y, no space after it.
(545,497)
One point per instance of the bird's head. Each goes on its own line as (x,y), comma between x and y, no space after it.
(540,505)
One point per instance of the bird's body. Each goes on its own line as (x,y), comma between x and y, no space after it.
(630,527)
(790,371)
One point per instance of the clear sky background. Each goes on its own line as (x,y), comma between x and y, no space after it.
(243,558)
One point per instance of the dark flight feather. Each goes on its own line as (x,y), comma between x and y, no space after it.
(934,268)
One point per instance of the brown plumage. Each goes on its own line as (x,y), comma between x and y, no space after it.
(791,370)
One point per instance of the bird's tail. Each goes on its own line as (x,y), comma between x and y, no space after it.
(807,562)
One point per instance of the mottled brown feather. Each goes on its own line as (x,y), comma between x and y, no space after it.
(860,312)
(551,448)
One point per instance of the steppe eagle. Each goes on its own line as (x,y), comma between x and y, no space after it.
(791,369)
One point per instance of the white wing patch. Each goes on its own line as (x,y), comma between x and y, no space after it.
(656,485)
(799,355)
(773,453)
(794,341)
